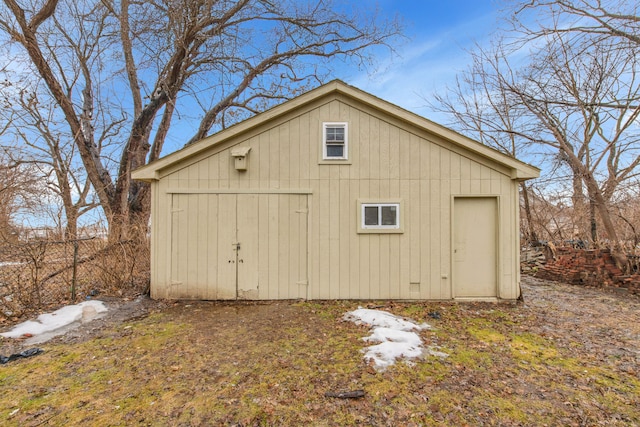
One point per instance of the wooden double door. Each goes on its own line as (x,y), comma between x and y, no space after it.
(239,246)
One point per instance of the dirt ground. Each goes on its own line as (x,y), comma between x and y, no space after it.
(566,355)
(606,322)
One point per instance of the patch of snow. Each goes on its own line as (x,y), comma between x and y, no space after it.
(379,318)
(382,334)
(395,335)
(49,325)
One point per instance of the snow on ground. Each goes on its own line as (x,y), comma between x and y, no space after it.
(49,325)
(396,337)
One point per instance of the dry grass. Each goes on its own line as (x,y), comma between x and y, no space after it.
(567,356)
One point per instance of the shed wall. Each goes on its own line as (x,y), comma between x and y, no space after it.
(387,159)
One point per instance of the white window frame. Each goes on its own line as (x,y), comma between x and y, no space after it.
(379,228)
(345,153)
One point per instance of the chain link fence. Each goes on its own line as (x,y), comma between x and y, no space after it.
(43,273)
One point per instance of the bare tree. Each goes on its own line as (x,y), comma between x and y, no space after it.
(597,19)
(575,101)
(479,106)
(19,192)
(36,139)
(585,99)
(137,64)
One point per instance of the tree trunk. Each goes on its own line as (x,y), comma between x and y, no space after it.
(533,236)
(140,210)
(617,251)
(593,222)
(579,206)
(71,230)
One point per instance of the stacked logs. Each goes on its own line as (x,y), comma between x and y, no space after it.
(594,267)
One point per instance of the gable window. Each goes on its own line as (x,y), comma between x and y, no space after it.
(334,141)
(379,217)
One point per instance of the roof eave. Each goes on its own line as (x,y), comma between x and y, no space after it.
(520,170)
(151,171)
(525,172)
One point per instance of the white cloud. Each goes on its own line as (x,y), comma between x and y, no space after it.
(426,65)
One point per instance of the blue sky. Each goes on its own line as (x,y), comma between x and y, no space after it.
(438,34)
(433,52)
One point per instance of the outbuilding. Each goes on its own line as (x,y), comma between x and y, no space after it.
(335,194)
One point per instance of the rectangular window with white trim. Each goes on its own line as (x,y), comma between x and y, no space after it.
(379,217)
(335,144)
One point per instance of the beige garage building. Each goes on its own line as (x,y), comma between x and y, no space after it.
(335,194)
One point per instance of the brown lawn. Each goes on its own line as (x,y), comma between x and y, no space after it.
(565,356)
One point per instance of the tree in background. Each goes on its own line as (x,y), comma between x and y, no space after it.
(584,99)
(117,72)
(482,108)
(566,92)
(20,191)
(596,19)
(35,137)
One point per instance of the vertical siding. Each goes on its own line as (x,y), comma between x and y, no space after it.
(344,275)
(353,254)
(203,262)
(333,213)
(223,284)
(211,234)
(263,241)
(293,146)
(386,160)
(247,232)
(364,243)
(282,283)
(363,162)
(156,277)
(273,249)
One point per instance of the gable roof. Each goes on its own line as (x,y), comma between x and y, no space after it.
(519,169)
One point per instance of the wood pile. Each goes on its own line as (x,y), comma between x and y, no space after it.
(594,267)
(532,259)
